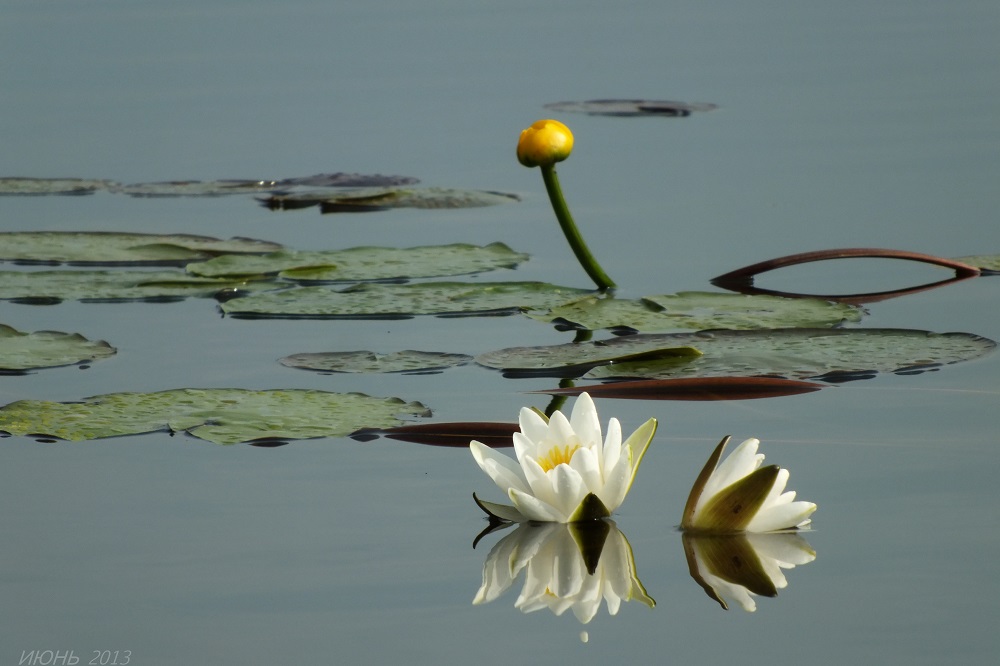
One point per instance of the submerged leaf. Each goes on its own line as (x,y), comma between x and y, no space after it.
(223,416)
(794,353)
(367,263)
(44,186)
(56,286)
(372,300)
(692,310)
(631,107)
(407,361)
(47,349)
(113,248)
(371,199)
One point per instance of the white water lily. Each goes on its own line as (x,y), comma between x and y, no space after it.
(734,568)
(566,567)
(565,471)
(739,495)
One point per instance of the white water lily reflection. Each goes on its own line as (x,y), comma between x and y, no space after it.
(566,567)
(734,568)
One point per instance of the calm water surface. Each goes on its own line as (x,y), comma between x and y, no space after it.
(839,125)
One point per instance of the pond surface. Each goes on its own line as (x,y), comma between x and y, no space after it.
(846,125)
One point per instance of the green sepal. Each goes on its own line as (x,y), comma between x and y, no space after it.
(687,520)
(732,509)
(591,508)
(500,512)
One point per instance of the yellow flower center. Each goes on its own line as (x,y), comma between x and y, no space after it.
(557,455)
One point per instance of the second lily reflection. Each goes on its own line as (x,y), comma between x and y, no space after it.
(578,566)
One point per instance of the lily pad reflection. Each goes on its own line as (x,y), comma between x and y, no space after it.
(49,186)
(20,352)
(222,416)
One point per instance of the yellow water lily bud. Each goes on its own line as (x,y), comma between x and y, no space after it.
(544,143)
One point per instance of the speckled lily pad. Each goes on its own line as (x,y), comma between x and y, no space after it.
(120,249)
(57,286)
(372,199)
(366,263)
(20,352)
(217,188)
(693,310)
(826,354)
(223,416)
(373,300)
(48,186)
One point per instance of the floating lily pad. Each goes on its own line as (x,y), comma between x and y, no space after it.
(827,354)
(20,352)
(373,300)
(694,388)
(216,188)
(366,263)
(699,310)
(408,361)
(120,249)
(223,416)
(372,199)
(458,435)
(631,107)
(989,262)
(56,286)
(46,186)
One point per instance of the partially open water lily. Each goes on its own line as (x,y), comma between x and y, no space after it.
(564,472)
(739,495)
(567,567)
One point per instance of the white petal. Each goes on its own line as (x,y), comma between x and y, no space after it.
(585,462)
(568,489)
(535,509)
(612,446)
(585,422)
(504,471)
(524,447)
(533,426)
(560,431)
(616,485)
(782,517)
(740,462)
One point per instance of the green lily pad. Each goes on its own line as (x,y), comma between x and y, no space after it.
(371,199)
(47,186)
(120,249)
(56,286)
(826,354)
(989,262)
(20,352)
(631,108)
(222,416)
(366,263)
(697,311)
(407,361)
(216,188)
(374,300)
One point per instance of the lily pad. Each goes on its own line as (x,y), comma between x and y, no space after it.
(831,355)
(54,286)
(372,199)
(400,301)
(697,311)
(48,186)
(631,107)
(694,388)
(988,262)
(222,416)
(408,361)
(216,188)
(457,435)
(120,249)
(20,352)
(366,263)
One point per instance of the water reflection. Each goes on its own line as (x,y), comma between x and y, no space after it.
(734,568)
(566,567)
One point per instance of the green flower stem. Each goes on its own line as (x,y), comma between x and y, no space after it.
(572,234)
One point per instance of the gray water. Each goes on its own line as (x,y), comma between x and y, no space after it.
(847,124)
